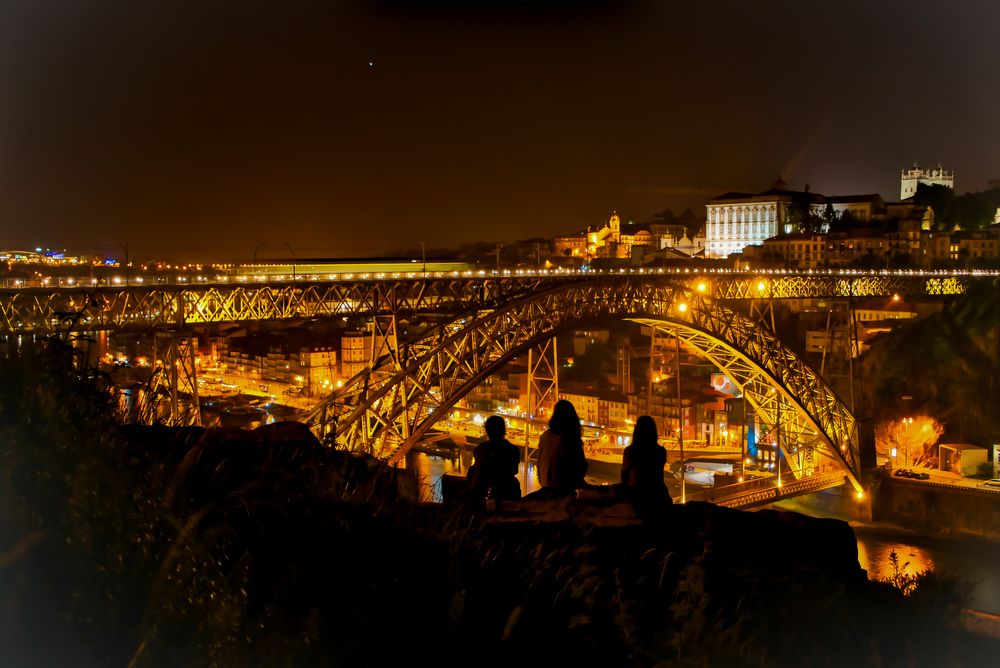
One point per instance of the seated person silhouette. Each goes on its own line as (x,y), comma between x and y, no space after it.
(561,462)
(494,474)
(642,468)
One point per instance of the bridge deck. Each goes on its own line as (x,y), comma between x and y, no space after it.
(765,490)
(164,306)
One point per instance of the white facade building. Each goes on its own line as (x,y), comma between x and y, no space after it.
(910,178)
(736,220)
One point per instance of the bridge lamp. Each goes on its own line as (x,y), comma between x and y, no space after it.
(682,307)
(702,287)
(761,285)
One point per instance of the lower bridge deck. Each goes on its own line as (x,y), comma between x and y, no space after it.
(766,490)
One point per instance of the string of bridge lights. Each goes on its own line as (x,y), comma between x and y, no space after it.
(221,279)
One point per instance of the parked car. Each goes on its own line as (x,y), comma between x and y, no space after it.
(921,475)
(903,473)
(993,483)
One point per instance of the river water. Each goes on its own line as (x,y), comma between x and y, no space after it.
(974,559)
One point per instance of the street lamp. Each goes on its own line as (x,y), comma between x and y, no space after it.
(292,251)
(907,421)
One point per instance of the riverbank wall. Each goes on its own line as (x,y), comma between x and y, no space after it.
(936,508)
(928,507)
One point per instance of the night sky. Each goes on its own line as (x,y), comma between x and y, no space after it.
(203,129)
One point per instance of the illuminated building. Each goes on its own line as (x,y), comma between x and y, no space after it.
(911,178)
(736,220)
(355,351)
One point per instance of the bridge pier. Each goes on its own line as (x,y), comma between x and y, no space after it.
(176,374)
(543,390)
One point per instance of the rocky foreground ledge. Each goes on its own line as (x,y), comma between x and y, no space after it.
(264,547)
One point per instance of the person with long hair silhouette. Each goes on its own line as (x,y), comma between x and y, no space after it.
(642,467)
(561,463)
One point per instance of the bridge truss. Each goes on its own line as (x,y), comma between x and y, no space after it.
(154,307)
(388,408)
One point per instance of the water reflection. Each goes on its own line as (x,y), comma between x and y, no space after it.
(875,556)
(429,470)
(968,558)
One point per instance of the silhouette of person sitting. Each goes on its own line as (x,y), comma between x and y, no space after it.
(561,462)
(642,468)
(494,474)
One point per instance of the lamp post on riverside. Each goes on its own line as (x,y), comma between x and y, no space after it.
(680,418)
(907,421)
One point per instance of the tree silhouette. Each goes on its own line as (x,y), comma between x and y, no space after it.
(912,438)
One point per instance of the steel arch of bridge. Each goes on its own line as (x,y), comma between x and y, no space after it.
(388,408)
(41,310)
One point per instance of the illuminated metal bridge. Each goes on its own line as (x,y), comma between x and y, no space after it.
(43,310)
(484,319)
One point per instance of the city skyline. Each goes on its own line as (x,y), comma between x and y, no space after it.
(198,133)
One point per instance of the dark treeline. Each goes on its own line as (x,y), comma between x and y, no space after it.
(946,365)
(150,546)
(971,211)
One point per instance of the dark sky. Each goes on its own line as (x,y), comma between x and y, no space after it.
(204,128)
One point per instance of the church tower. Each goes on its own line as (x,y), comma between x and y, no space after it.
(615,223)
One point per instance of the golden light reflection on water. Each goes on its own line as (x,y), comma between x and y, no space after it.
(429,470)
(876,558)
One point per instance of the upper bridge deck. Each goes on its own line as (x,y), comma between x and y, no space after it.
(145,304)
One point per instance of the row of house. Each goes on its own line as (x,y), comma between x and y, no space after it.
(314,369)
(894,242)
